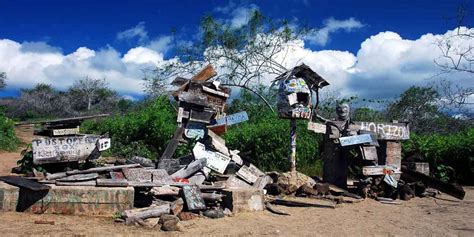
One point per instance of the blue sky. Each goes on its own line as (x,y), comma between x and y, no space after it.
(70,39)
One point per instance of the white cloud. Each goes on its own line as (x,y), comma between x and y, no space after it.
(322,36)
(238,15)
(124,73)
(139,32)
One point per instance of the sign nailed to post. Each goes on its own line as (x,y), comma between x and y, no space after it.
(357,139)
(233,118)
(387,131)
(317,127)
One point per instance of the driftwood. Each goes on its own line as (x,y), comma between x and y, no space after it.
(101,169)
(112,182)
(212,196)
(56,175)
(189,170)
(165,191)
(453,190)
(274,210)
(79,177)
(145,213)
(301,203)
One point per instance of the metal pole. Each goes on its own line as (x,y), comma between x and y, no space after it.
(292,158)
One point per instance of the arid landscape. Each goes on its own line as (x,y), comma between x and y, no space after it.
(443,216)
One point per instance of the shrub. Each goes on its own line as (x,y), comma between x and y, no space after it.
(8,139)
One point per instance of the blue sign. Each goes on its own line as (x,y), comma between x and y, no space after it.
(233,118)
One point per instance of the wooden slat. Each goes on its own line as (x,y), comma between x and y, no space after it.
(24,183)
(101,169)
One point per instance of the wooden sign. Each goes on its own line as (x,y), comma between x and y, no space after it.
(233,118)
(387,131)
(66,131)
(215,160)
(355,140)
(194,130)
(104,144)
(317,127)
(249,173)
(63,149)
(369,153)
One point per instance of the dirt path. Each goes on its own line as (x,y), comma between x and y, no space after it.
(417,217)
(8,159)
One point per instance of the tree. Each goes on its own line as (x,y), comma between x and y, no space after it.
(89,90)
(3,77)
(41,101)
(243,56)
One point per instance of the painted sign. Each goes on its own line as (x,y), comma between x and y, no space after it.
(66,131)
(233,118)
(215,160)
(301,112)
(355,140)
(317,127)
(104,144)
(194,130)
(63,149)
(387,131)
(249,173)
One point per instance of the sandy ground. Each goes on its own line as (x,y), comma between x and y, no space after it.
(417,217)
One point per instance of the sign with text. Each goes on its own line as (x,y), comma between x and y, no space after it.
(233,118)
(63,149)
(355,140)
(387,131)
(317,127)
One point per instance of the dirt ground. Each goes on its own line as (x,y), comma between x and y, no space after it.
(444,216)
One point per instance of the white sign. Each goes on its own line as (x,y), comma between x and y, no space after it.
(66,131)
(354,140)
(317,127)
(63,149)
(104,144)
(215,160)
(387,131)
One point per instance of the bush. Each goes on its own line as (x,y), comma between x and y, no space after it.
(450,156)
(8,139)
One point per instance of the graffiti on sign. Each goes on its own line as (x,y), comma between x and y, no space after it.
(355,140)
(233,118)
(387,131)
(63,149)
(194,130)
(317,127)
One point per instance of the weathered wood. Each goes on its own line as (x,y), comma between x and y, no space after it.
(218,143)
(81,183)
(214,160)
(101,169)
(171,165)
(262,181)
(189,170)
(24,183)
(274,210)
(192,198)
(451,189)
(63,120)
(233,119)
(379,170)
(387,131)
(165,191)
(79,177)
(63,149)
(356,140)
(148,212)
(317,127)
(369,153)
(212,196)
(173,144)
(205,74)
(249,173)
(302,203)
(112,182)
(55,175)
(44,222)
(65,131)
(142,161)
(177,206)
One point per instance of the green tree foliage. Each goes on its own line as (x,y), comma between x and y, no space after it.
(8,139)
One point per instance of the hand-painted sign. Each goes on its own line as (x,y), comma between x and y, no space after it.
(317,127)
(63,149)
(387,131)
(104,144)
(249,173)
(194,130)
(215,160)
(66,131)
(233,118)
(355,140)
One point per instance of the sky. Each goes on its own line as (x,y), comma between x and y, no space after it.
(372,49)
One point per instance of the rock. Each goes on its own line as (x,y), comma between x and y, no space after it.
(214,214)
(289,182)
(177,206)
(322,188)
(170,223)
(187,216)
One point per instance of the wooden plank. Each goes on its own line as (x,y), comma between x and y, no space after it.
(233,119)
(104,144)
(79,177)
(214,160)
(112,182)
(356,140)
(55,175)
(205,74)
(317,127)
(192,198)
(215,92)
(24,183)
(249,173)
(369,153)
(189,170)
(102,169)
(304,202)
(380,170)
(387,131)
(66,131)
(81,183)
(195,130)
(173,144)
(137,174)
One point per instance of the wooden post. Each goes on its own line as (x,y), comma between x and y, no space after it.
(292,158)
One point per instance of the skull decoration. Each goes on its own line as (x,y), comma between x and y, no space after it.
(294,99)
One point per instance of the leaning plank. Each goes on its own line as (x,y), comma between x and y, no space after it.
(453,190)
(298,203)
(212,196)
(24,183)
(189,170)
(112,182)
(55,175)
(148,212)
(81,183)
(274,210)
(79,177)
(101,169)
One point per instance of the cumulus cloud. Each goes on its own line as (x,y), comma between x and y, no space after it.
(26,68)
(139,35)
(238,15)
(322,36)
